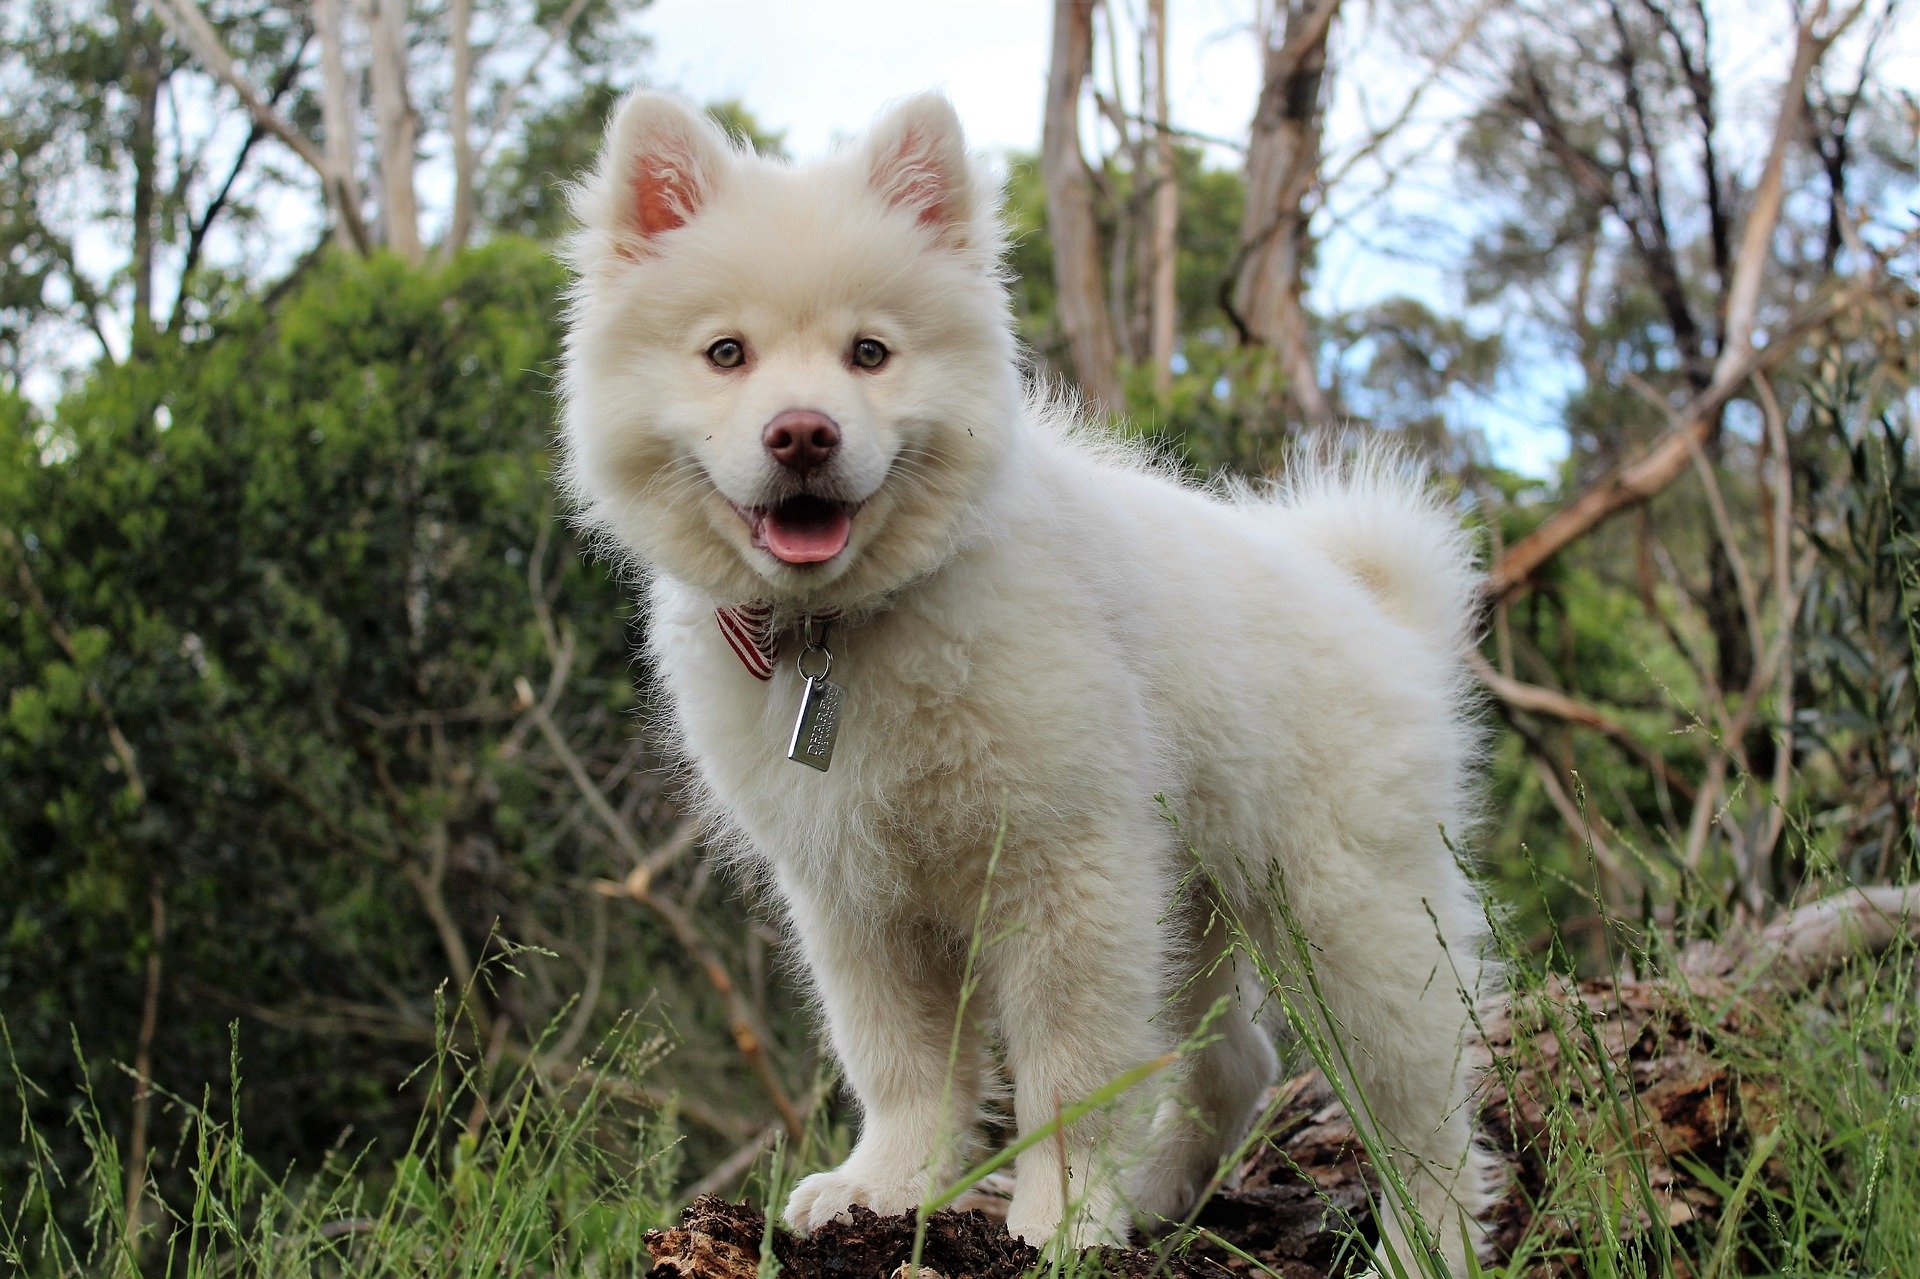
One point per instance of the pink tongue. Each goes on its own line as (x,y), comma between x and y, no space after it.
(820,535)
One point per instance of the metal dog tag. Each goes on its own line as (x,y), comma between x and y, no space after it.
(818,725)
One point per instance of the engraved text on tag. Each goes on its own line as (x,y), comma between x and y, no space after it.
(818,724)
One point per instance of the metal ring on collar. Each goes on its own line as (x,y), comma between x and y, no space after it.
(826,662)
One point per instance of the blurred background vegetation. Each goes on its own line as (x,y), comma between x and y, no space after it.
(312,709)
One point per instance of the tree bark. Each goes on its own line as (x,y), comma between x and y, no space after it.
(1078,283)
(395,126)
(143,152)
(338,116)
(1283,168)
(1162,241)
(459,110)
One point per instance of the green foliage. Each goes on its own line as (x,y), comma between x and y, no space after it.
(267,602)
(1860,716)
(499,1175)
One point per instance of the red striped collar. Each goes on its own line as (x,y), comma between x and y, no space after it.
(750,632)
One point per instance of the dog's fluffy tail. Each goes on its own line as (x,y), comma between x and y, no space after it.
(1376,516)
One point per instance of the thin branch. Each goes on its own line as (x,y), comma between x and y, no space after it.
(137,1142)
(198,227)
(188,25)
(1537,700)
(1784,605)
(1572,815)
(740,1022)
(1441,63)
(1729,543)
(1177,131)
(503,108)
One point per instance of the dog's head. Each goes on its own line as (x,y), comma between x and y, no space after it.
(787,384)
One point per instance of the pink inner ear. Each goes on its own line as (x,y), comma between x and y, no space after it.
(663,194)
(914,181)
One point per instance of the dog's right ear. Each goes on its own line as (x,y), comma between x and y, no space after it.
(660,165)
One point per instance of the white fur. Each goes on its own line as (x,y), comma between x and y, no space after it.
(1046,636)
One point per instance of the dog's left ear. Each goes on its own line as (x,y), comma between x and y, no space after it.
(917,161)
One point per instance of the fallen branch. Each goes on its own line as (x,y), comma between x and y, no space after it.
(1795,952)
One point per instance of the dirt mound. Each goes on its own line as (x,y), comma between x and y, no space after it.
(1609,1066)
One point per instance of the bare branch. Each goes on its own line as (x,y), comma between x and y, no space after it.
(1572,815)
(747,1037)
(503,108)
(188,25)
(1532,698)
(1438,68)
(1756,238)
(1635,482)
(199,227)
(184,19)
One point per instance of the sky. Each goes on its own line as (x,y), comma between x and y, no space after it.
(821,70)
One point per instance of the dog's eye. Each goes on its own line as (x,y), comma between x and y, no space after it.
(870,353)
(727,353)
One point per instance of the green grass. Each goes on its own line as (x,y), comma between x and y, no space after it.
(520,1176)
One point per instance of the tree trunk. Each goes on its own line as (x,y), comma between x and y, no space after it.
(1161,257)
(337,115)
(1283,166)
(393,118)
(1077,277)
(460,37)
(144,85)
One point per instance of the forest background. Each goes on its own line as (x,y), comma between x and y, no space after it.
(316,721)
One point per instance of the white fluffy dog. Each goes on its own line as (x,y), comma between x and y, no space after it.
(793,395)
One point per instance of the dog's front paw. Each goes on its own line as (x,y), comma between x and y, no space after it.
(825,1195)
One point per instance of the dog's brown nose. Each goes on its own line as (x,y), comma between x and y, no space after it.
(801,440)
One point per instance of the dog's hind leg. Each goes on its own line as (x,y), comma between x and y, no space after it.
(1386,966)
(1225,1079)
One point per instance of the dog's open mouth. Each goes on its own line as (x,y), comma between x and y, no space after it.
(801,530)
